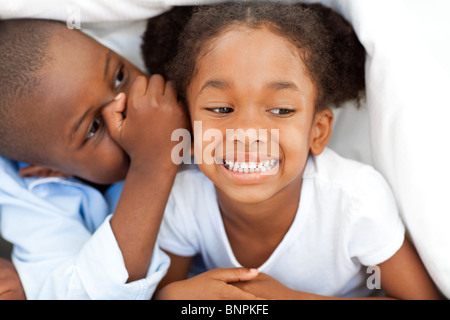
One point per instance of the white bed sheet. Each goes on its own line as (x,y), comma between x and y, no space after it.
(401,129)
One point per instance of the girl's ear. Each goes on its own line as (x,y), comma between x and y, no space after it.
(321,131)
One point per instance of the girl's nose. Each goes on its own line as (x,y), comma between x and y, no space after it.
(247,136)
(249,127)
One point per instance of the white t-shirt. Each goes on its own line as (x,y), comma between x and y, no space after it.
(347,219)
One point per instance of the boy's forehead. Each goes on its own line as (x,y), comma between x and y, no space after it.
(75,40)
(75,56)
(73,76)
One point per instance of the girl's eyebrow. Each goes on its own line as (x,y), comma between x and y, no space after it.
(215,83)
(274,85)
(282,85)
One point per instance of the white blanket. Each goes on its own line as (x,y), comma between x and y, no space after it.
(408,79)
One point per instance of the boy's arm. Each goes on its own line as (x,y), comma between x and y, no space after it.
(403,277)
(136,220)
(152,114)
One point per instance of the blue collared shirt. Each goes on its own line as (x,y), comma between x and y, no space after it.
(64,247)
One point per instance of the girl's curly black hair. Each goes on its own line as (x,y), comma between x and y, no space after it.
(328,45)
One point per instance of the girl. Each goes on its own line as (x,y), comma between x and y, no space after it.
(313,224)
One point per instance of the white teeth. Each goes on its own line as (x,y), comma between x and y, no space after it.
(246,167)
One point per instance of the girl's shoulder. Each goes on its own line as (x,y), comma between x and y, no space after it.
(331,168)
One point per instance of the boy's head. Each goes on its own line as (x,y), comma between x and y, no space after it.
(55,83)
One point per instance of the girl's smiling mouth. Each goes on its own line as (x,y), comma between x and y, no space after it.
(251,166)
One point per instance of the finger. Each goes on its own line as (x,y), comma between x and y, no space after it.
(235,274)
(138,87)
(156,86)
(236,293)
(170,89)
(29,171)
(40,171)
(113,115)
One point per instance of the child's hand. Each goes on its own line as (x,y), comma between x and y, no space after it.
(210,285)
(33,171)
(143,123)
(10,285)
(267,287)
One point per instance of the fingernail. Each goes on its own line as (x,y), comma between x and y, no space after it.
(253,270)
(119,96)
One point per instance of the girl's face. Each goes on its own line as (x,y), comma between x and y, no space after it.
(254,80)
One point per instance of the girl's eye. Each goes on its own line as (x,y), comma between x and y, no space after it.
(221,110)
(119,78)
(93,129)
(281,111)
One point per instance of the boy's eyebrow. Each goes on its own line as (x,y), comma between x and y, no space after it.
(108,59)
(81,119)
(78,123)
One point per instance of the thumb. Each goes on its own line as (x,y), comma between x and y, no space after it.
(113,115)
(235,274)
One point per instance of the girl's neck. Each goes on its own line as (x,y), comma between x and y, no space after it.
(255,230)
(286,198)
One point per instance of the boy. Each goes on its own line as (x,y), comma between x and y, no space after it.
(63,105)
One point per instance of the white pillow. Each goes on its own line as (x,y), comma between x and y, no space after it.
(408,81)
(408,76)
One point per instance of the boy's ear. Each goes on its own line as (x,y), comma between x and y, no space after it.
(321,131)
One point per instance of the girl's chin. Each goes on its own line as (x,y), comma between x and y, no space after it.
(245,194)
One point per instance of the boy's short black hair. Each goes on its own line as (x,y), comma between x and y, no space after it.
(24,52)
(329,46)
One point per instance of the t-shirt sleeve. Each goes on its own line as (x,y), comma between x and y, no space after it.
(376,231)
